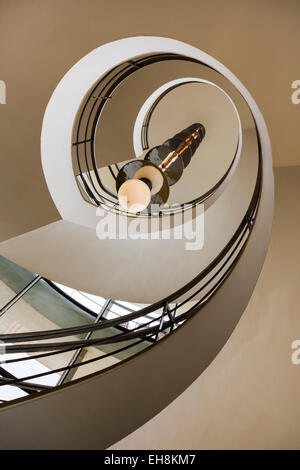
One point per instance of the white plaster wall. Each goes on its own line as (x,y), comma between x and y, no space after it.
(248,398)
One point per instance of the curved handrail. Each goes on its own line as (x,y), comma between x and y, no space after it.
(155,306)
(85,139)
(169,318)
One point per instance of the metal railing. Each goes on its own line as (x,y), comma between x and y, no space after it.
(87,173)
(157,320)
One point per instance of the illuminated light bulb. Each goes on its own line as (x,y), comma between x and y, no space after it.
(134,195)
(153,174)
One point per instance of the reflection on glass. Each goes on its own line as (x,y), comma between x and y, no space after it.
(45,308)
(13,279)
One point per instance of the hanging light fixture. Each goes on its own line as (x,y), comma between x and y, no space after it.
(141,182)
(135,195)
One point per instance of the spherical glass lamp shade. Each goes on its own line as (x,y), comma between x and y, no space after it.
(154,175)
(134,195)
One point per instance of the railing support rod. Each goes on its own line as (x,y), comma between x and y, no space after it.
(6,377)
(19,295)
(165,311)
(77,353)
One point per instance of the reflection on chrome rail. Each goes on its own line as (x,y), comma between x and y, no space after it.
(117,326)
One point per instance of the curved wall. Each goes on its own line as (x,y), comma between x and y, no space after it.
(40,42)
(98,411)
(72,255)
(56,138)
(248,398)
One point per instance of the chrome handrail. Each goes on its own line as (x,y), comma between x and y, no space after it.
(84,136)
(170,317)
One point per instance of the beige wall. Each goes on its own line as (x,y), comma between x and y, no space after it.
(249,396)
(191,348)
(40,40)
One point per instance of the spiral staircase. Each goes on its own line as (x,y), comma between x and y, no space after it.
(128,324)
